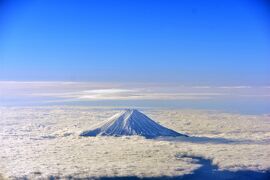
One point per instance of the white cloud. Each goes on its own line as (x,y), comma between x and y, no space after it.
(90,91)
(130,94)
(45,140)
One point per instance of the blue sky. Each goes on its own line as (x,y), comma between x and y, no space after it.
(152,41)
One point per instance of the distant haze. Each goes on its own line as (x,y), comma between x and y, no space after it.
(246,99)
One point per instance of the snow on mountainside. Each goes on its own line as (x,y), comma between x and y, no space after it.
(130,122)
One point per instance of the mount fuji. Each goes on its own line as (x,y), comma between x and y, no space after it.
(130,122)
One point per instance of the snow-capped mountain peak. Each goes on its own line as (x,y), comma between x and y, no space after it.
(130,122)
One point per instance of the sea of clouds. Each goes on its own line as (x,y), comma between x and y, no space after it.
(38,142)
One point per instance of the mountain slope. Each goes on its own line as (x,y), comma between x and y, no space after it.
(130,122)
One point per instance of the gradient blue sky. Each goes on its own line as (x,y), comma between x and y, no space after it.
(190,42)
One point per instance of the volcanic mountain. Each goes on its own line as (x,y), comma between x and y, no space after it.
(130,122)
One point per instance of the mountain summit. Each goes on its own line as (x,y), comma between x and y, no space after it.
(130,122)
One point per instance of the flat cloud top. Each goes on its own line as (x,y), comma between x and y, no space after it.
(91,91)
(41,141)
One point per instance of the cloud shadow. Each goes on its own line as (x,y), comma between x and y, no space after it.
(205,140)
(207,170)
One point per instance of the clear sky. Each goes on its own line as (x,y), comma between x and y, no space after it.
(224,42)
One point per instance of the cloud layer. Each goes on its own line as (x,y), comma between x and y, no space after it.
(37,142)
(87,91)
